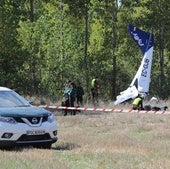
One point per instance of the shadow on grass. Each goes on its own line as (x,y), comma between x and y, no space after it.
(61,147)
(65,146)
(15,148)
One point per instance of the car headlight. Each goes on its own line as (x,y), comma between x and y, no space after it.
(7,120)
(51,118)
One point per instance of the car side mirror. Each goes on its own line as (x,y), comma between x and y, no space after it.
(31,102)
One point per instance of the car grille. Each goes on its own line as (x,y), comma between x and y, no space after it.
(20,120)
(28,138)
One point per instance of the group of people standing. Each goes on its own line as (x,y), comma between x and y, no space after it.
(74,93)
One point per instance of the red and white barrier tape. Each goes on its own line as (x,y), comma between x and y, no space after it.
(105,109)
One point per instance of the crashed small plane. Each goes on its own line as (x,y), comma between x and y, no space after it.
(140,83)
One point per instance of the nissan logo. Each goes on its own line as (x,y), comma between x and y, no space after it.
(34,120)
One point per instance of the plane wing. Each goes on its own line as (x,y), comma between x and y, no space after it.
(130,93)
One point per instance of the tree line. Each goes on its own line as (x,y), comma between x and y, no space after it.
(45,43)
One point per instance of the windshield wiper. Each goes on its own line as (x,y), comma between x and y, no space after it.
(27,105)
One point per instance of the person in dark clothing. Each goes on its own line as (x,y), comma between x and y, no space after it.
(70,98)
(79,94)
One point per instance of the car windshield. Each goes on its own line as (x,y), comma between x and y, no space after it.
(12,99)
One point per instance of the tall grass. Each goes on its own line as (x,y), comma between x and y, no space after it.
(100,141)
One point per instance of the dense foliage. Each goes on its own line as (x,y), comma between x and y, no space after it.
(45,43)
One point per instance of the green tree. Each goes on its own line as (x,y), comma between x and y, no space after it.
(161,23)
(10,54)
(45,43)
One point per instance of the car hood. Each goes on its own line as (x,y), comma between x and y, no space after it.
(23,111)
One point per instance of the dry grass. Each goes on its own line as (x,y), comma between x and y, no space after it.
(100,140)
(113,140)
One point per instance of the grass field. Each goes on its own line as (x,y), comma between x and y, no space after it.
(100,141)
